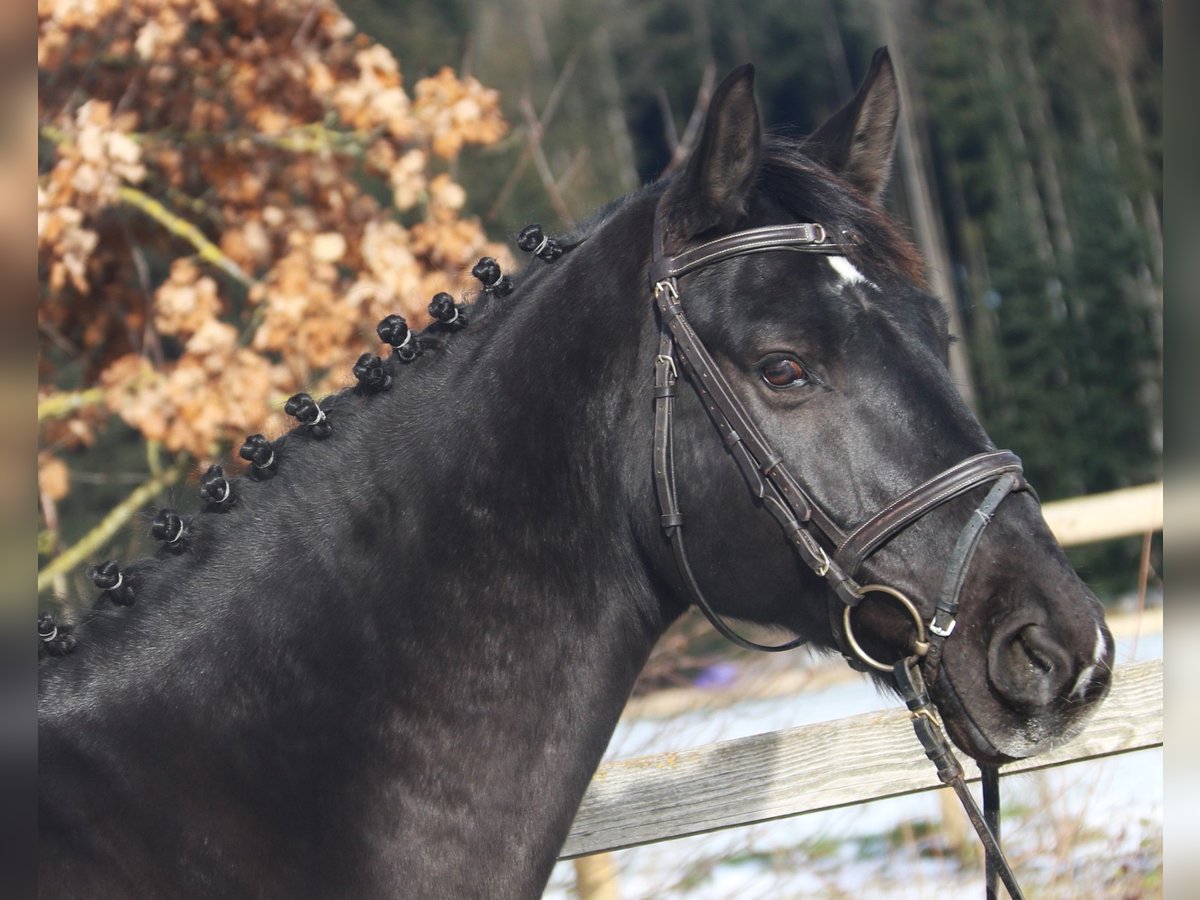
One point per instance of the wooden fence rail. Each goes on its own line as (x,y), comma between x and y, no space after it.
(1098,517)
(819,767)
(857,759)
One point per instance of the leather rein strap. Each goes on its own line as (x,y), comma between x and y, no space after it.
(830,553)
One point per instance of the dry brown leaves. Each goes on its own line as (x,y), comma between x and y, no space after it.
(257,122)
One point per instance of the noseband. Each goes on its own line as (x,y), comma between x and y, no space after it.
(831,553)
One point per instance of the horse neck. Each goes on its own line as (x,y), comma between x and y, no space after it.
(430,662)
(560,607)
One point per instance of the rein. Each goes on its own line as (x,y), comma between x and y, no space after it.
(831,553)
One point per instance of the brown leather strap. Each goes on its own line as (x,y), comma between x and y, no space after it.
(906,509)
(912,688)
(665,379)
(990,779)
(945,611)
(670,515)
(736,426)
(806,237)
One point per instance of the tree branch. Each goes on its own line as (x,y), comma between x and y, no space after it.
(59,406)
(208,251)
(556,94)
(691,131)
(542,164)
(82,549)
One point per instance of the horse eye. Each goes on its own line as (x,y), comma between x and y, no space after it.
(782,372)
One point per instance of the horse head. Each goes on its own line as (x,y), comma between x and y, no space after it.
(839,359)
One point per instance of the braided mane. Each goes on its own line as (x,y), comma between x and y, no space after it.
(191,542)
(787,177)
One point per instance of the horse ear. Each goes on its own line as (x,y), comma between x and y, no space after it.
(857,141)
(715,186)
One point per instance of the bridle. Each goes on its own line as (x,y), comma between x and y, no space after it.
(830,552)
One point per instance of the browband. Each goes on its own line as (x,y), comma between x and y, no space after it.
(806,237)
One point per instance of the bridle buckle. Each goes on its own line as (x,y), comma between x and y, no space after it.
(667,285)
(665,359)
(941,632)
(823,569)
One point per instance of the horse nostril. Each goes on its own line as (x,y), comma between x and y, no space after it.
(1028,667)
(1032,641)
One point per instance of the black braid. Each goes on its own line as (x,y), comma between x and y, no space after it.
(53,639)
(371,374)
(533,240)
(168,526)
(448,314)
(406,346)
(117,586)
(495,282)
(306,410)
(216,490)
(260,453)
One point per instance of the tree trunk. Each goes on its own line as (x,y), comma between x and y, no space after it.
(919,189)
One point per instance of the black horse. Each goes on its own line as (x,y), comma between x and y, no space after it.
(391,668)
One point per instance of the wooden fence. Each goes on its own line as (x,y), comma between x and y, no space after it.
(860,758)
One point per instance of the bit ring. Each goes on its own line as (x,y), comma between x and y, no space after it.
(920,645)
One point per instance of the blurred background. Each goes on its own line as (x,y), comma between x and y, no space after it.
(232,193)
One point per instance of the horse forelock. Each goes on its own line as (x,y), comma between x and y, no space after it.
(810,192)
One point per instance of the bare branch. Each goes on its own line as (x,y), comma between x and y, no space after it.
(59,406)
(692,131)
(541,164)
(523,161)
(180,227)
(87,545)
(669,130)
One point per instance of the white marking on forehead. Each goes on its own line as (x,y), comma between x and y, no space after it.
(846,270)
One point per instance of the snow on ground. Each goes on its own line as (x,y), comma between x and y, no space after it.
(1090,829)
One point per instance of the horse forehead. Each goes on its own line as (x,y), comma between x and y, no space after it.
(847,272)
(804,287)
(826,293)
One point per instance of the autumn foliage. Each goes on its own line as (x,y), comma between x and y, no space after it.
(231,194)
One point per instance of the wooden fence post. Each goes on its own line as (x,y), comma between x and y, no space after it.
(596,877)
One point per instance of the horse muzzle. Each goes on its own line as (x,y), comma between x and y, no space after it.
(1040,685)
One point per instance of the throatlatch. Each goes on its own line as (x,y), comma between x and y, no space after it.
(832,554)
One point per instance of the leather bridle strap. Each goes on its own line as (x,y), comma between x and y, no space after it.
(950,772)
(946,608)
(990,777)
(806,237)
(666,379)
(769,477)
(943,487)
